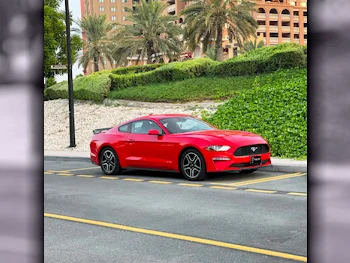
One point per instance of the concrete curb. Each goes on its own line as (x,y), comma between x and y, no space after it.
(272,168)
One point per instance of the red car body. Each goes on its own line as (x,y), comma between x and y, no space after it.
(163,151)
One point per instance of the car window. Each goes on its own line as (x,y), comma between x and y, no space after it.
(144,126)
(184,124)
(125,128)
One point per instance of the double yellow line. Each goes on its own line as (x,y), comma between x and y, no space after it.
(263,180)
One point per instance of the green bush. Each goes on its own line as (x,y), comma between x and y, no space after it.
(170,72)
(262,60)
(95,87)
(274,108)
(135,69)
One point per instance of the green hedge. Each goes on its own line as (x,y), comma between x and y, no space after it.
(95,87)
(263,60)
(275,108)
(170,72)
(135,69)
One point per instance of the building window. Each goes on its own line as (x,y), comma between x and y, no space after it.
(285,35)
(285,23)
(113,9)
(296,24)
(305,13)
(296,13)
(114,27)
(112,1)
(261,11)
(273,23)
(273,34)
(285,12)
(102,9)
(104,62)
(124,1)
(305,25)
(124,9)
(296,36)
(101,1)
(273,11)
(261,22)
(114,18)
(124,18)
(305,36)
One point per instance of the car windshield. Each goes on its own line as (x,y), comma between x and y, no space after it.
(184,124)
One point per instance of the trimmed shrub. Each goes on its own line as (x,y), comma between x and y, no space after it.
(94,87)
(135,69)
(170,72)
(274,108)
(262,60)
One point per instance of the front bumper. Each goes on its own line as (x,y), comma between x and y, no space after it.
(226,161)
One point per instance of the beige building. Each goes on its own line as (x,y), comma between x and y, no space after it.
(280,21)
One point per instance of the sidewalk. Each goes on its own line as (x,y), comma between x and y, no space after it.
(278,164)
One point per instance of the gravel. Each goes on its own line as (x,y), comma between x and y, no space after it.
(89,116)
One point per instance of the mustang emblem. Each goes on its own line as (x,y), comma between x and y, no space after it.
(254,148)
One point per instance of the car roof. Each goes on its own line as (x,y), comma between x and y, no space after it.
(154,117)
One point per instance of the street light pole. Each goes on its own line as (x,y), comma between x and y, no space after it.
(70,79)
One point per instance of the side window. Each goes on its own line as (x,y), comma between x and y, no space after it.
(144,126)
(125,128)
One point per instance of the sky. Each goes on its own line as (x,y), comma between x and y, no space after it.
(74,8)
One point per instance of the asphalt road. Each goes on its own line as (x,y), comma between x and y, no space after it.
(160,217)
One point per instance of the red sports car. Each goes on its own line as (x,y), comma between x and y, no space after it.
(177,142)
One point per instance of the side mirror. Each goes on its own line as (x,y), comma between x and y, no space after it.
(154,132)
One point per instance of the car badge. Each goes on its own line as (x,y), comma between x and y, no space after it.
(253,149)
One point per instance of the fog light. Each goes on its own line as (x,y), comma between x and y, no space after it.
(221,159)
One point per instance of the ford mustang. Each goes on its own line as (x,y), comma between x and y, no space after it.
(179,143)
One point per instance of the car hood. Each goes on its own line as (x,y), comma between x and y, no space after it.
(235,137)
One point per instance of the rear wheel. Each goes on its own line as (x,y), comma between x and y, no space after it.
(249,171)
(192,165)
(109,161)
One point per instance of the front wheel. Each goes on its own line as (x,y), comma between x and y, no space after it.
(109,161)
(192,165)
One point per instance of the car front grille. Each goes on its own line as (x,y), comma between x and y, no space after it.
(248,150)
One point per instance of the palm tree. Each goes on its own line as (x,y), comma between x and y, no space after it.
(97,44)
(252,45)
(211,53)
(151,33)
(205,20)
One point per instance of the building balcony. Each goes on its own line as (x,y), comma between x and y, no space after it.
(305,30)
(273,17)
(261,28)
(305,41)
(285,17)
(296,30)
(285,40)
(296,19)
(274,40)
(171,8)
(260,16)
(285,28)
(305,19)
(273,29)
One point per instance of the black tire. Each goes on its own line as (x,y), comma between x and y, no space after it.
(192,165)
(112,166)
(249,171)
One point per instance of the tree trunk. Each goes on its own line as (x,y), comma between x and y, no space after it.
(218,45)
(96,68)
(149,52)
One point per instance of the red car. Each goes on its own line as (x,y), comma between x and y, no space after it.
(177,142)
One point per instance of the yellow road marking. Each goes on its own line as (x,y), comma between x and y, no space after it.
(133,179)
(79,169)
(86,175)
(180,237)
(65,174)
(194,185)
(160,182)
(223,187)
(300,194)
(263,180)
(261,191)
(109,178)
(48,173)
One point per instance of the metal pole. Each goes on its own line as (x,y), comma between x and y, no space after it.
(70,79)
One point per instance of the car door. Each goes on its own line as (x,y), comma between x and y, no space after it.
(147,151)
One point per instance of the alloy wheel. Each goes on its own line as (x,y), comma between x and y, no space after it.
(192,165)
(108,161)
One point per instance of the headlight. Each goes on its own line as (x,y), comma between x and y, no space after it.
(218,148)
